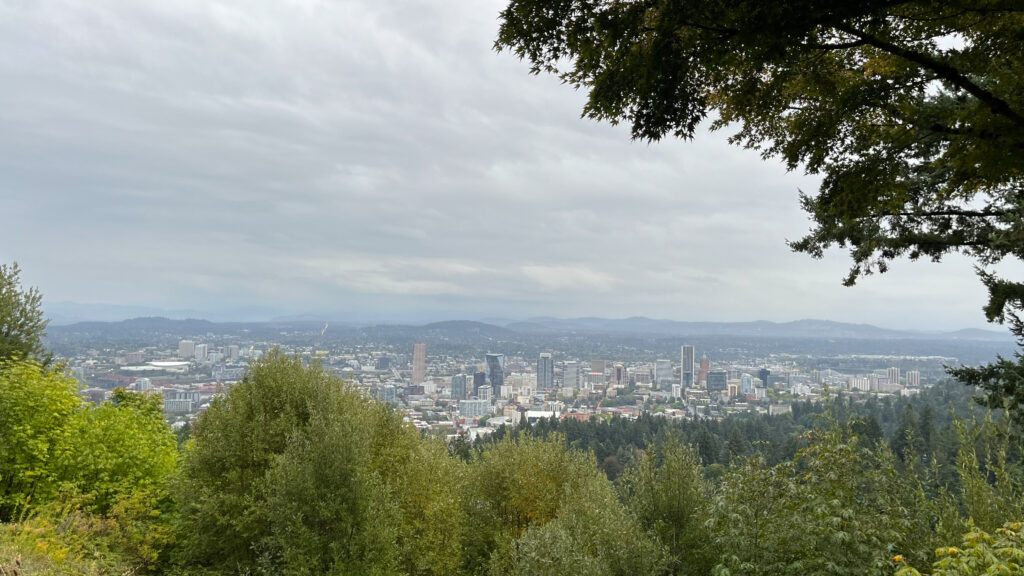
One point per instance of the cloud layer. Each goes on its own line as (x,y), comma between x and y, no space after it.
(372,159)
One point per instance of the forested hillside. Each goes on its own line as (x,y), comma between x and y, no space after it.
(924,423)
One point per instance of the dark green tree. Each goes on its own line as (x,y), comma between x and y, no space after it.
(21,318)
(664,490)
(911,112)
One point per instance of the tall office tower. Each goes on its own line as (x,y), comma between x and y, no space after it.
(620,377)
(479,381)
(545,371)
(764,374)
(894,375)
(459,387)
(186,349)
(686,371)
(746,384)
(383,363)
(496,372)
(201,351)
(233,352)
(705,367)
(598,366)
(663,376)
(571,374)
(419,363)
(718,381)
(913,378)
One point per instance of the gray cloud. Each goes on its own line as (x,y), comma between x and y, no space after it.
(378,159)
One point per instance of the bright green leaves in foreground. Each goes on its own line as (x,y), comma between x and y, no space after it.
(54,442)
(119,449)
(85,485)
(838,508)
(982,553)
(35,408)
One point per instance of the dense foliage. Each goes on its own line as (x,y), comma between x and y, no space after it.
(294,471)
(925,423)
(84,485)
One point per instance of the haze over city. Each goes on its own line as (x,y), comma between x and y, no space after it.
(379,162)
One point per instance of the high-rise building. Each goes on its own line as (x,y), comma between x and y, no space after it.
(620,377)
(186,349)
(894,375)
(383,363)
(663,376)
(419,363)
(484,393)
(200,352)
(764,374)
(913,378)
(686,371)
(746,384)
(718,381)
(571,374)
(233,352)
(479,381)
(459,387)
(545,371)
(496,372)
(705,367)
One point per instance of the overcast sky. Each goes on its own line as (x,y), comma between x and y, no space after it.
(376,159)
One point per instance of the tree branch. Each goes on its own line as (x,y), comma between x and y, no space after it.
(951,212)
(941,70)
(836,46)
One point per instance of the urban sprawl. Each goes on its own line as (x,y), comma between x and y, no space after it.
(446,395)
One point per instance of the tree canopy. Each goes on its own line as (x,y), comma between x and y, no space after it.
(21,318)
(911,112)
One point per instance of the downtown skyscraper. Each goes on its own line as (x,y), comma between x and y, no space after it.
(419,363)
(496,373)
(686,370)
(545,371)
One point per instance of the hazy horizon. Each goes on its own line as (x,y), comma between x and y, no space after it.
(70,313)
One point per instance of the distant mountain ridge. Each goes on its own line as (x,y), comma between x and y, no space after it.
(807,328)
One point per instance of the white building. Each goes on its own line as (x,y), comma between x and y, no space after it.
(474,408)
(914,378)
